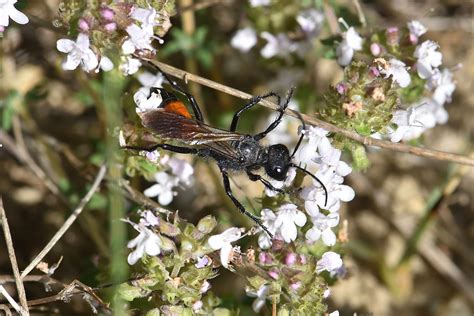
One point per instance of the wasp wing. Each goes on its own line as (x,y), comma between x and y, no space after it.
(170,125)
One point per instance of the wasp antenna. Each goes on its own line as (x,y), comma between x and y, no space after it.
(302,134)
(315,178)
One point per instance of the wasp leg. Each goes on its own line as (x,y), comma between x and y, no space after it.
(256,177)
(254,101)
(277,121)
(192,100)
(176,149)
(241,208)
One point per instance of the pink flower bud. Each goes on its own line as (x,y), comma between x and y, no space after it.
(110,27)
(373,71)
(393,37)
(290,259)
(413,39)
(264,258)
(107,13)
(295,286)
(341,88)
(375,49)
(2,29)
(83,25)
(273,274)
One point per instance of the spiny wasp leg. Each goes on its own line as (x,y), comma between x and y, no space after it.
(281,109)
(256,177)
(254,101)
(241,208)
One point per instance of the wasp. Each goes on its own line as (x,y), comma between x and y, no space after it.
(231,150)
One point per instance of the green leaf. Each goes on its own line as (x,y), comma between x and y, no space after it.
(8,109)
(129,292)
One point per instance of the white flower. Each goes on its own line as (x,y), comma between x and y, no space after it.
(139,39)
(261,296)
(428,58)
(146,102)
(148,218)
(149,80)
(8,11)
(244,39)
(315,196)
(443,85)
(287,218)
(412,122)
(351,41)
(147,17)
(416,28)
(282,224)
(398,71)
(335,313)
(182,169)
(268,219)
(105,64)
(129,65)
(78,53)
(279,45)
(322,228)
(258,3)
(223,242)
(147,242)
(316,139)
(330,261)
(311,21)
(437,111)
(142,97)
(163,188)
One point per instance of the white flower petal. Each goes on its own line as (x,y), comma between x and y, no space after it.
(313,234)
(244,39)
(65,45)
(106,64)
(165,197)
(153,191)
(225,254)
(329,238)
(71,62)
(152,246)
(134,256)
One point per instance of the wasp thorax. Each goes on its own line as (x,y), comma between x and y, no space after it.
(278,162)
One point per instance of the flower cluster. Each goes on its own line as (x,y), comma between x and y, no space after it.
(180,172)
(392,50)
(280,44)
(429,111)
(99,25)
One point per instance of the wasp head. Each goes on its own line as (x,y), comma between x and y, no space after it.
(278,162)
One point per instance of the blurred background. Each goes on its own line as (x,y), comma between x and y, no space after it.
(410,227)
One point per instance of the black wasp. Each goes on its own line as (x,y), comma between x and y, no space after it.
(231,150)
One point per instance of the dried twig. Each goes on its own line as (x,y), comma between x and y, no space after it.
(368,141)
(23,155)
(67,223)
(11,254)
(10,300)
